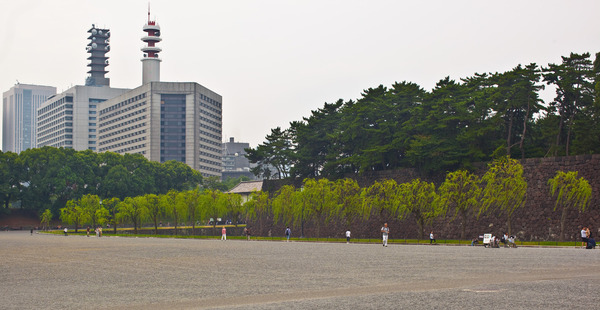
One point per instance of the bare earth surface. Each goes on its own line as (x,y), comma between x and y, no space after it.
(75,272)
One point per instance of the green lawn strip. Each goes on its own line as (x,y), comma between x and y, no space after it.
(333,240)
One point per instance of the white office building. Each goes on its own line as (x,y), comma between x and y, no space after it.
(18,121)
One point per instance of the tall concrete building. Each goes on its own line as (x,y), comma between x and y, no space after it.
(235,163)
(70,118)
(164,120)
(20,103)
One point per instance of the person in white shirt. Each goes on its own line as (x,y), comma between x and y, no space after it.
(584,238)
(385,230)
(348,236)
(431,238)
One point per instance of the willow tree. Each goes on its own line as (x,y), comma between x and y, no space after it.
(134,210)
(113,210)
(283,206)
(319,200)
(93,209)
(211,204)
(505,188)
(73,213)
(570,192)
(420,199)
(45,218)
(349,206)
(258,207)
(460,192)
(234,207)
(381,197)
(155,210)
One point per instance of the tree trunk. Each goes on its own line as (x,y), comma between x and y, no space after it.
(563,219)
(463,225)
(508,136)
(421,223)
(560,126)
(521,147)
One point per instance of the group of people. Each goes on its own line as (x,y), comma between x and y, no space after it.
(587,240)
(224,233)
(98,231)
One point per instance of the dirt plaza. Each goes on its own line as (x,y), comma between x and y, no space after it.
(58,272)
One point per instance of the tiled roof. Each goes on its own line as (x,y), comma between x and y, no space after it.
(247,187)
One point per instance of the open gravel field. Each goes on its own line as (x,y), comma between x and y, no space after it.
(75,272)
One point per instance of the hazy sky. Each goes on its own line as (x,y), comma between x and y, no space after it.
(274,61)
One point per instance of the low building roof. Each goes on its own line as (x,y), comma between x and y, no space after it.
(247,187)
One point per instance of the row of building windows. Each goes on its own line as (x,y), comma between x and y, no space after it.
(51,121)
(123,117)
(136,133)
(210,100)
(204,105)
(210,121)
(118,132)
(121,111)
(56,142)
(46,136)
(56,129)
(137,119)
(209,169)
(62,110)
(210,115)
(131,148)
(210,135)
(56,104)
(211,128)
(218,144)
(210,155)
(206,147)
(111,147)
(210,162)
(123,103)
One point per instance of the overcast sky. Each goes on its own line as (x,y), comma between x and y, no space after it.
(274,61)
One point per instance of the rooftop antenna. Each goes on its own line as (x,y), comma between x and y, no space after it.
(148,11)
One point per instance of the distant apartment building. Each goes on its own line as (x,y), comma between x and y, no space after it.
(164,120)
(235,163)
(19,104)
(70,118)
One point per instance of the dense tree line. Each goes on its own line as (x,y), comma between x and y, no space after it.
(455,124)
(47,178)
(178,208)
(501,190)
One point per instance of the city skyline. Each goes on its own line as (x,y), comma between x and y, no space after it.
(273,62)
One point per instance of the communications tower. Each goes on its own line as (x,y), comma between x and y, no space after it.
(98,47)
(151,62)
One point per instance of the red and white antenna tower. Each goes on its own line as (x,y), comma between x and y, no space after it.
(150,61)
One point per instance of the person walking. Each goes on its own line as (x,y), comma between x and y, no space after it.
(224,234)
(288,233)
(65,230)
(584,237)
(88,231)
(348,236)
(248,233)
(385,231)
(431,238)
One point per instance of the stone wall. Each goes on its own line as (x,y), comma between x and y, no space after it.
(536,221)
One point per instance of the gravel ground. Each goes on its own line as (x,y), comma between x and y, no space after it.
(57,272)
